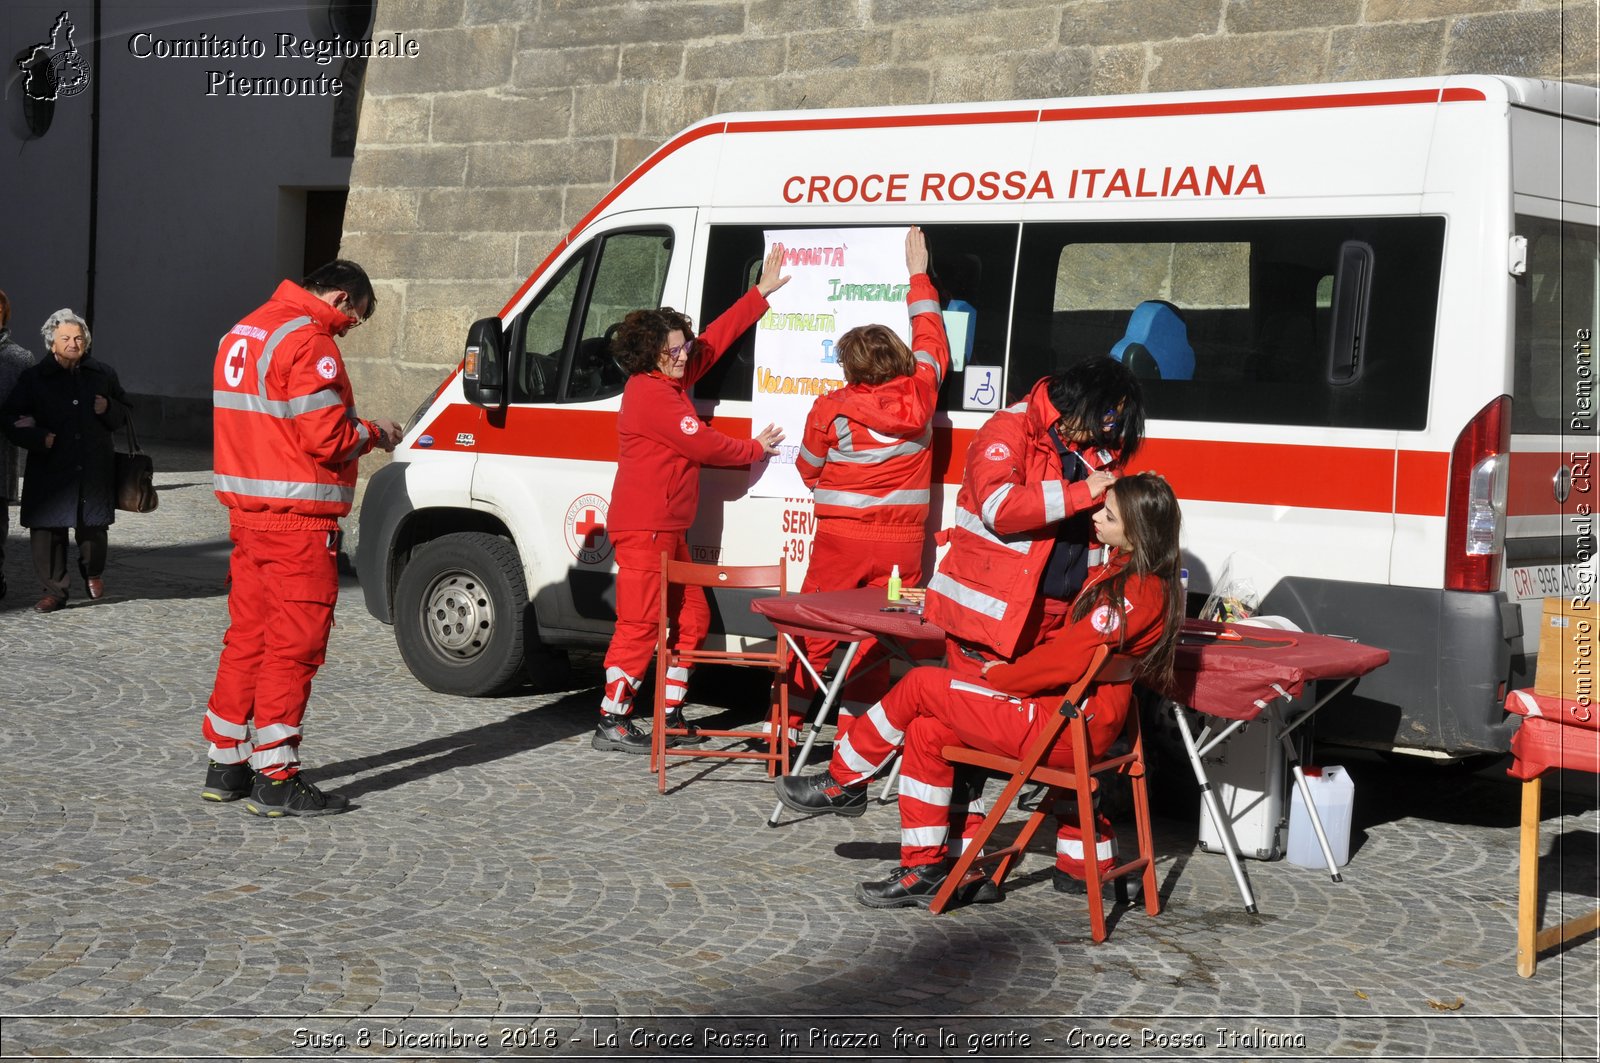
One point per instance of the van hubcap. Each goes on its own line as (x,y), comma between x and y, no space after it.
(458,614)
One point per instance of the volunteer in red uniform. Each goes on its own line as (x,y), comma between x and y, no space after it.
(1021,544)
(867,457)
(662,442)
(1133,603)
(287,441)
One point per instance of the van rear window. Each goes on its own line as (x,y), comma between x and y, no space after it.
(1555,308)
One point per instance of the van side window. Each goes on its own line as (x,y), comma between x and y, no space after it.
(563,340)
(1236,321)
(1555,299)
(972,268)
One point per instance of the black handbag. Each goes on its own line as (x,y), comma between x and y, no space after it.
(135,477)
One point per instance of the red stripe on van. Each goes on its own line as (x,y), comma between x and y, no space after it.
(1286,103)
(1531,491)
(1262,474)
(1134,110)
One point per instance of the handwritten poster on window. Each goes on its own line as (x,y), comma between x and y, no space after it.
(838,279)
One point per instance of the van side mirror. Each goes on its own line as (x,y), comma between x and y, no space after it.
(483,367)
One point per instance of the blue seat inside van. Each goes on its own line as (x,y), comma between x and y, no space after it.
(1156,345)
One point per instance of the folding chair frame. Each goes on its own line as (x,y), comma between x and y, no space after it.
(1104,668)
(776,660)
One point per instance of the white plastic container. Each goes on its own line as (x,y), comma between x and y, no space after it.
(1334,793)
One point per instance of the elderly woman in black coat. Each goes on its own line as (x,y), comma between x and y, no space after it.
(64,412)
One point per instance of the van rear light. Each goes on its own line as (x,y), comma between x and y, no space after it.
(1475,515)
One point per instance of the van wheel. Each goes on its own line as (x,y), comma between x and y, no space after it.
(458,615)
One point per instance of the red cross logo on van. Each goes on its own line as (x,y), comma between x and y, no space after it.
(586,530)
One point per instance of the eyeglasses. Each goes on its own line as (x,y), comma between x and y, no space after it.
(357,317)
(682,350)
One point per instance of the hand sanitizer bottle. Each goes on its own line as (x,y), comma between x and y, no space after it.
(894,584)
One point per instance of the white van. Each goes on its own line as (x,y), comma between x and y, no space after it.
(1387,432)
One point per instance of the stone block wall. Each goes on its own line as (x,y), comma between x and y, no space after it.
(474,159)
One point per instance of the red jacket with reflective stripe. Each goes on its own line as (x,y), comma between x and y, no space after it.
(662,442)
(867,449)
(1011,498)
(1048,669)
(287,437)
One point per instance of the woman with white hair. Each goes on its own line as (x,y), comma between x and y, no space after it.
(65,412)
(14,358)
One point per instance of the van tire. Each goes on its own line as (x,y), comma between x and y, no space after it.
(458,615)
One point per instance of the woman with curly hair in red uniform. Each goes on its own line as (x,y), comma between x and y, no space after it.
(1133,603)
(867,455)
(661,443)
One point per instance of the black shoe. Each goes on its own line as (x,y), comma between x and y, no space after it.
(1077,887)
(620,733)
(983,891)
(819,793)
(227,782)
(294,796)
(905,886)
(676,720)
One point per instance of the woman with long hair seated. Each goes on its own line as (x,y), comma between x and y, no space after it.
(1132,603)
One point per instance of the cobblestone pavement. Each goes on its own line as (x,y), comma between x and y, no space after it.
(501,890)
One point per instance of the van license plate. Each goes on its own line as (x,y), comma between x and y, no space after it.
(1544,581)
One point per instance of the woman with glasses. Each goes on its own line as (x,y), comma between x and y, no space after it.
(661,444)
(65,412)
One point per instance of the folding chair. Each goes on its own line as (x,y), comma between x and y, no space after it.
(1080,780)
(1557,733)
(775,739)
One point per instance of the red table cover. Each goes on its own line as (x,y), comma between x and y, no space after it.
(850,616)
(1541,744)
(1228,678)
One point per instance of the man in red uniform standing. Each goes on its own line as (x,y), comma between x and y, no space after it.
(287,443)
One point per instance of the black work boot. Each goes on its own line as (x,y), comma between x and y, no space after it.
(620,733)
(227,782)
(675,719)
(905,886)
(294,796)
(820,793)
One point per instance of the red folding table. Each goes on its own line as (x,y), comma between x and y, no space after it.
(850,617)
(1237,673)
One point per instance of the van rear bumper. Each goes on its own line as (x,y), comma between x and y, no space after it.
(1449,663)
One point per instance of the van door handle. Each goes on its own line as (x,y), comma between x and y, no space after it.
(1562,483)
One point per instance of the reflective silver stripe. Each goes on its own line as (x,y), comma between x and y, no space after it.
(810,458)
(362,435)
(1055,500)
(852,500)
(923,837)
(232,755)
(967,598)
(283,409)
(931,362)
(963,687)
(921,791)
(992,503)
(311,492)
(878,455)
(226,728)
(271,345)
(1073,847)
(278,732)
(968,521)
(272,758)
(924,306)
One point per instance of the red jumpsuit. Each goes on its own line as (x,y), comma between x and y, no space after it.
(867,456)
(662,442)
(934,707)
(287,441)
(1014,493)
